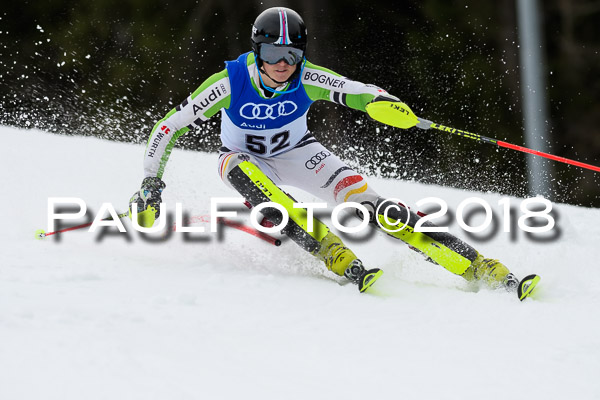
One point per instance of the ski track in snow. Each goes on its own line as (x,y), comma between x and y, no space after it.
(116,317)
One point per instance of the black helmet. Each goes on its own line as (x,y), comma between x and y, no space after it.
(283,30)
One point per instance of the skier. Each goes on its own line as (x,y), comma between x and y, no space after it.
(264,97)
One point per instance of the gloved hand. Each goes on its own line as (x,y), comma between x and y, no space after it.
(148,200)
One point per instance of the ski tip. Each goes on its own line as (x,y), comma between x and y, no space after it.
(527,285)
(369,279)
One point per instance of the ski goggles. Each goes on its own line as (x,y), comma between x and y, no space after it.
(272,54)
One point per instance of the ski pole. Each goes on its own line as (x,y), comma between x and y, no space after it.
(236,225)
(244,228)
(40,233)
(398,114)
(425,124)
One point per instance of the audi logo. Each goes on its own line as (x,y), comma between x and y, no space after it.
(266,111)
(316,159)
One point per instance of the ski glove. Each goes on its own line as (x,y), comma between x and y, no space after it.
(148,200)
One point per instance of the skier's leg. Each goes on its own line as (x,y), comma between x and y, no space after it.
(242,172)
(451,252)
(441,247)
(325,175)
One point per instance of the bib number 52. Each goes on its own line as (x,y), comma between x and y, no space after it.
(256,143)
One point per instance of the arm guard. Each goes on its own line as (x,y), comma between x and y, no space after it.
(391,112)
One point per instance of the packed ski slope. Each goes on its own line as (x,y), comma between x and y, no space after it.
(115,316)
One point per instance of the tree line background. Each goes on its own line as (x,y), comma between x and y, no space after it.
(112,68)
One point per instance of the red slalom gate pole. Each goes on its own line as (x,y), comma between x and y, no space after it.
(425,124)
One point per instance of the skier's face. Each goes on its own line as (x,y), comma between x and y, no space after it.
(280,71)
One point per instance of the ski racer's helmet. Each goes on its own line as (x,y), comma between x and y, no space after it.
(279,34)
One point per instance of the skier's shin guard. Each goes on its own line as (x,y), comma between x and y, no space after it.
(441,247)
(257,188)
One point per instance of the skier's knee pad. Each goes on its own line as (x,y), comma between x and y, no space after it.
(228,161)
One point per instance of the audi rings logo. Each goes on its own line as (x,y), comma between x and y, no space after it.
(316,159)
(266,111)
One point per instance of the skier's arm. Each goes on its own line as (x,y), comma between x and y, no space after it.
(324,84)
(212,95)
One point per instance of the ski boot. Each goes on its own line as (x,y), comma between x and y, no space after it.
(496,275)
(356,273)
(341,260)
(334,254)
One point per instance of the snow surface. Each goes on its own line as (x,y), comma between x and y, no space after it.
(117,317)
